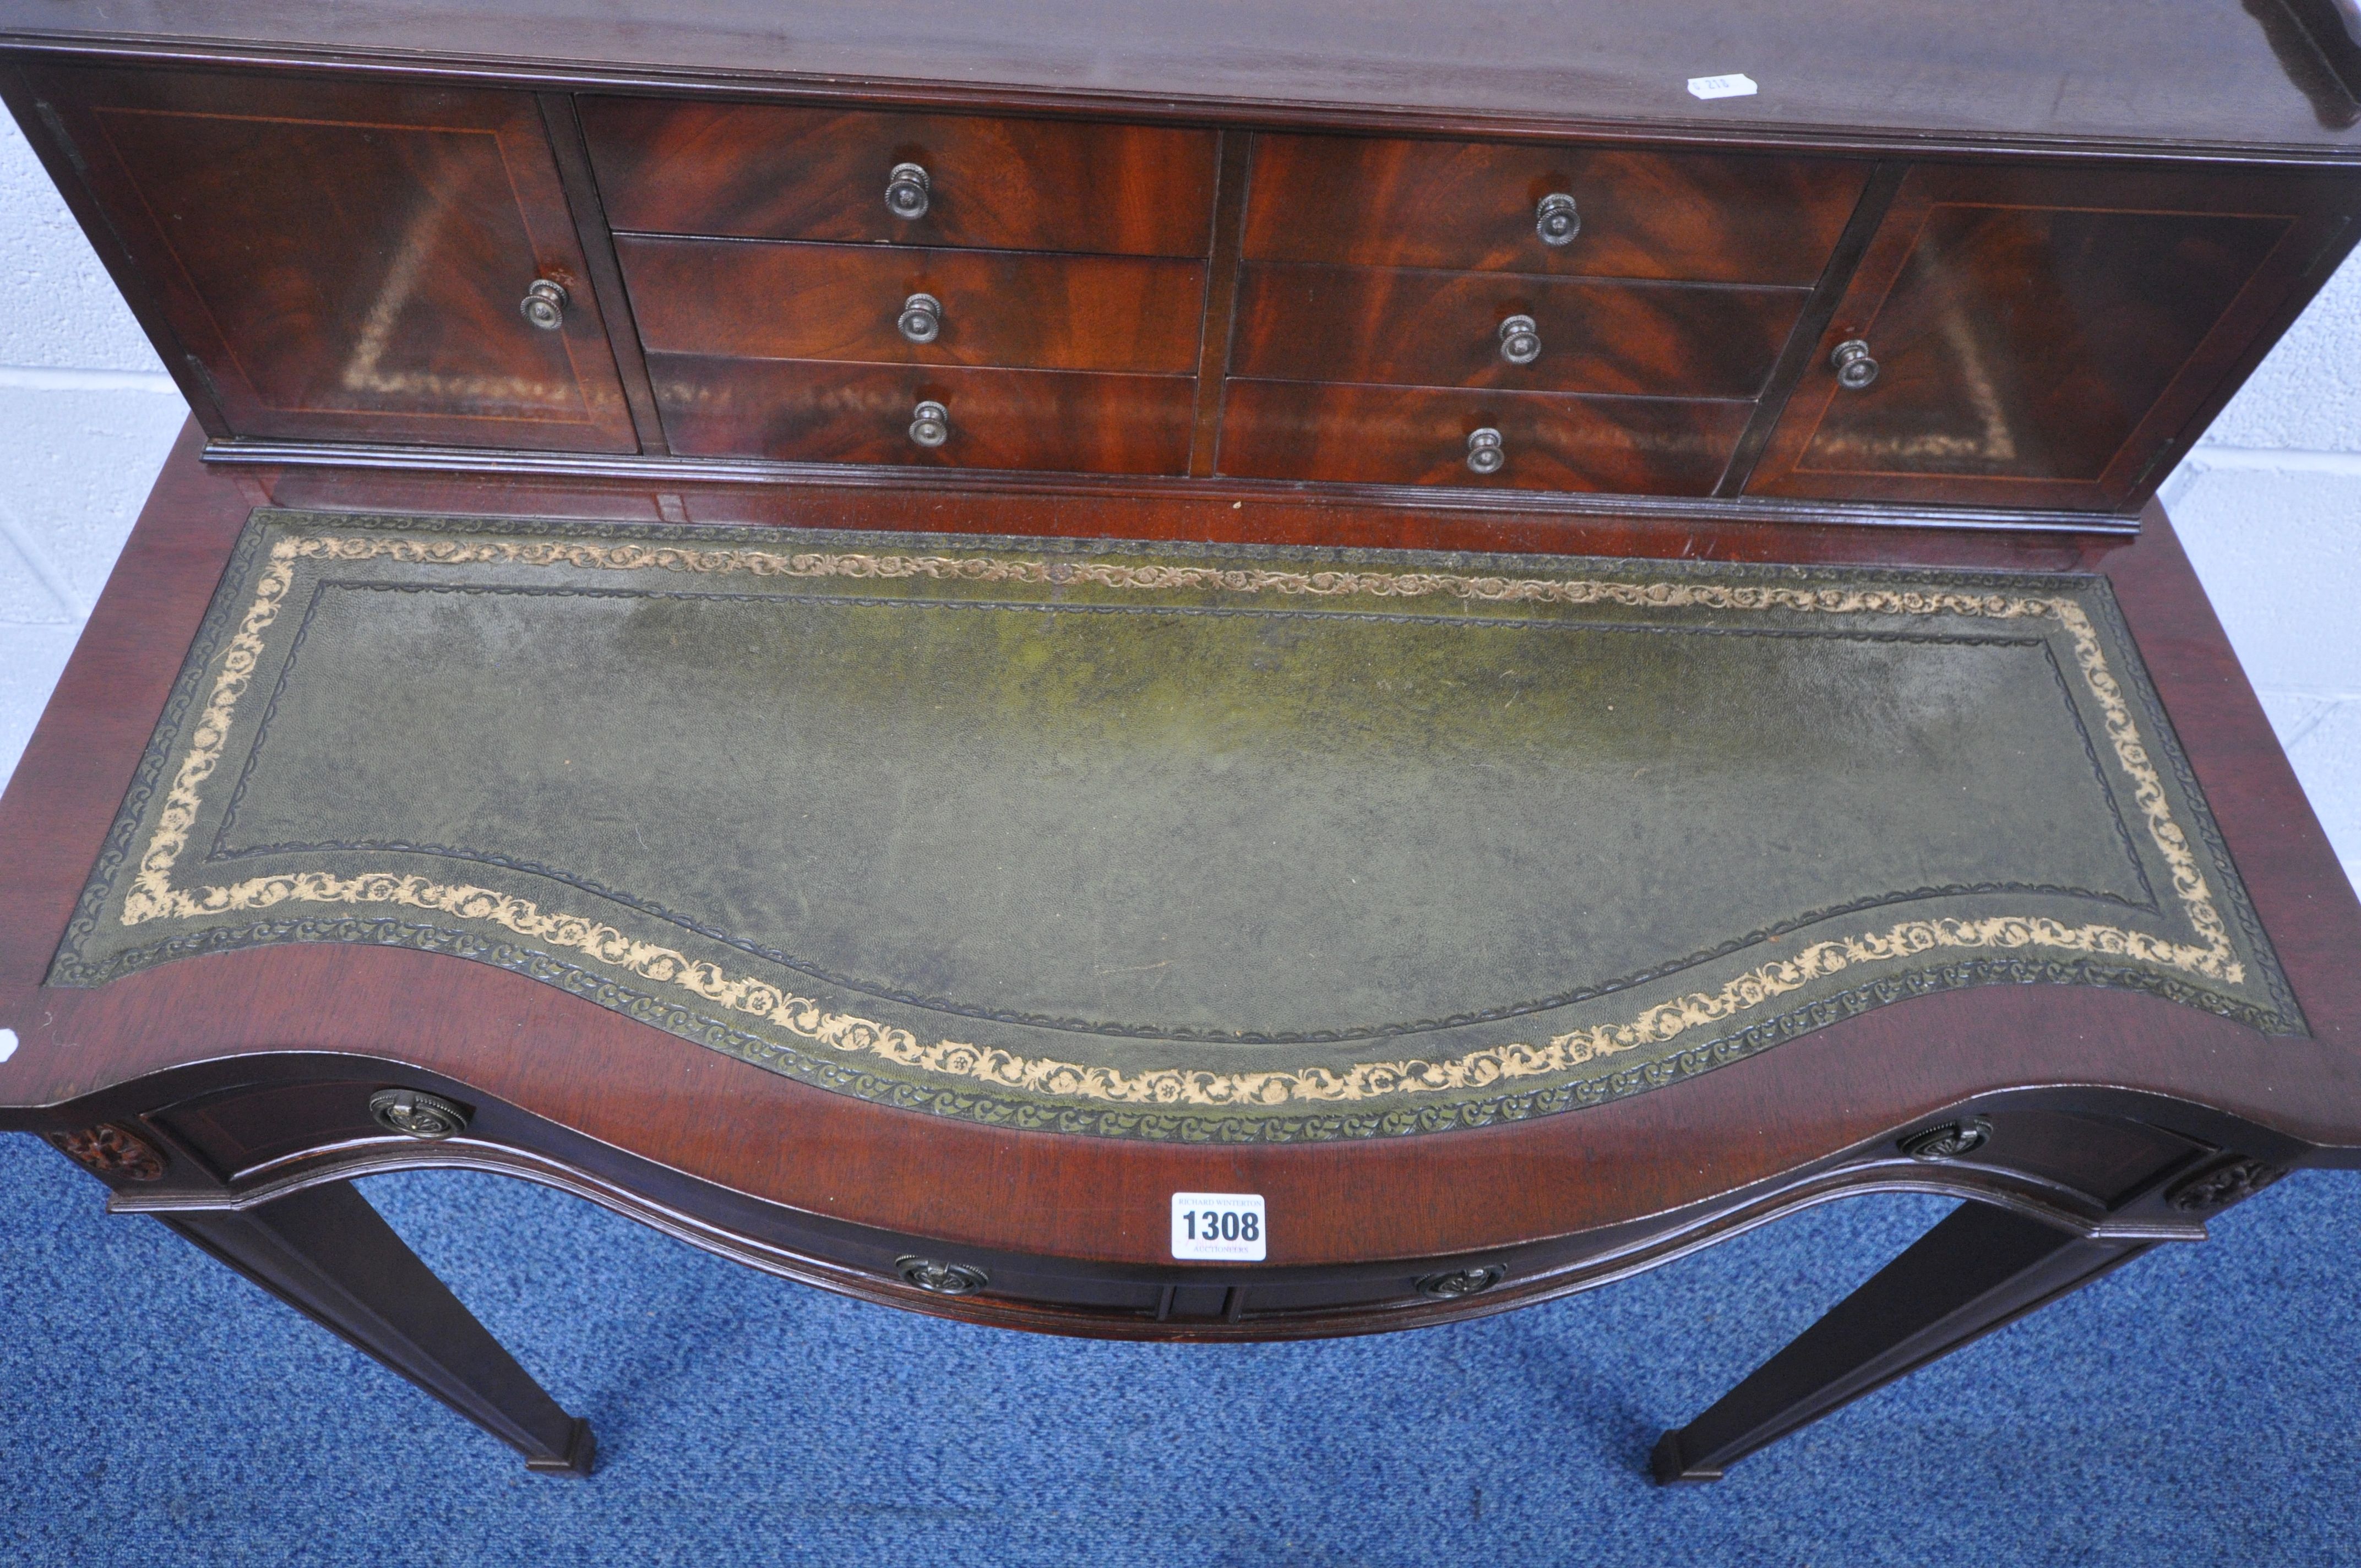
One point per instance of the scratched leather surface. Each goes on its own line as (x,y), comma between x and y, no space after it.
(1172,842)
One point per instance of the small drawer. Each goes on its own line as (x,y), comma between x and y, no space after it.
(1478,207)
(774,171)
(1411,327)
(1385,435)
(803,412)
(765,299)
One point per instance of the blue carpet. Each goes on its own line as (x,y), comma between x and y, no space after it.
(2194,1408)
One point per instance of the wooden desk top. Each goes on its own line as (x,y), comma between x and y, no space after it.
(594,1082)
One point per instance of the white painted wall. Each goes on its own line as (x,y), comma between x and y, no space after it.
(2270,503)
(94,414)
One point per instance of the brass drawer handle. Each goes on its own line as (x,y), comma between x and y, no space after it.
(1949,1141)
(1855,369)
(908,190)
(930,423)
(429,1118)
(1458,1282)
(544,304)
(1520,340)
(921,319)
(1556,219)
(940,1278)
(1485,454)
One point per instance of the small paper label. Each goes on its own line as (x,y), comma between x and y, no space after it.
(1738,86)
(7,1044)
(1226,1225)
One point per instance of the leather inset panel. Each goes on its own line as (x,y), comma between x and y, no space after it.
(1182,841)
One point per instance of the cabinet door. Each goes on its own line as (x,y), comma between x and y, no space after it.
(348,260)
(2046,338)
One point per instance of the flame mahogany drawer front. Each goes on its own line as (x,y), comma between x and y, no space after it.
(1413,327)
(767,172)
(1478,207)
(761,300)
(814,411)
(1387,435)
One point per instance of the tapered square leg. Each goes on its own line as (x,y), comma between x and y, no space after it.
(324,1252)
(1979,1269)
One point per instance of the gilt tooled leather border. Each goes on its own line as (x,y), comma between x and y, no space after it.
(850,1054)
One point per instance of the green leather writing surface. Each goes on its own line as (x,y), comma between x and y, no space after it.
(1172,842)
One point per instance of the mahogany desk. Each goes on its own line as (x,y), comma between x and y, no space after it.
(1818,432)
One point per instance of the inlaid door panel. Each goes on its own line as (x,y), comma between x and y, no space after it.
(348,260)
(2045,338)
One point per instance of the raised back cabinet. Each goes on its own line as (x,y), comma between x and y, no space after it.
(1704,310)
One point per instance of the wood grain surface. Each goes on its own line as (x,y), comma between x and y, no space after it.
(862,413)
(1014,310)
(1403,435)
(1413,327)
(772,172)
(1470,206)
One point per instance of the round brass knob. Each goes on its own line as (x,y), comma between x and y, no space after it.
(921,319)
(942,1278)
(544,304)
(1855,369)
(908,190)
(930,423)
(429,1118)
(1557,220)
(1520,340)
(1485,454)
